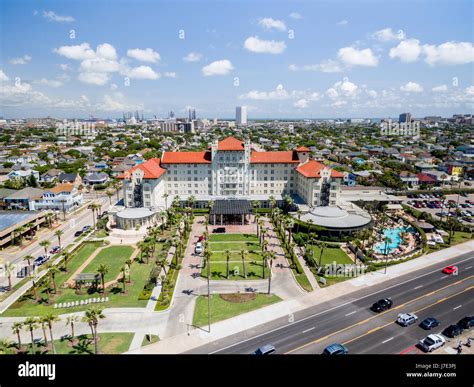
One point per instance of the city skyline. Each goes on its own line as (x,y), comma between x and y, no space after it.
(298,60)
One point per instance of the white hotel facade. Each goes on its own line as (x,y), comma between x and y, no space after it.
(230,169)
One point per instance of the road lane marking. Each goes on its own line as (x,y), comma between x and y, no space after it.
(307,330)
(418,287)
(338,306)
(381,314)
(467,268)
(386,341)
(348,314)
(457,307)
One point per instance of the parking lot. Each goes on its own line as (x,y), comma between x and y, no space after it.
(458,206)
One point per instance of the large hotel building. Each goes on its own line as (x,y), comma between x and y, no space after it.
(230,169)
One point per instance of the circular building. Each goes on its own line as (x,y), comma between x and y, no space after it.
(131,218)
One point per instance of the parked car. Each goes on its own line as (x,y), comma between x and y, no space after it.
(267,349)
(382,305)
(78,233)
(450,270)
(335,349)
(406,319)
(39,261)
(453,331)
(198,248)
(467,322)
(55,250)
(429,323)
(431,343)
(86,228)
(219,230)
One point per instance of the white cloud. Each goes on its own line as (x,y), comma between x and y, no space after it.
(440,88)
(116,103)
(268,24)
(326,66)
(387,34)
(411,87)
(407,50)
(342,23)
(295,15)
(99,65)
(219,67)
(354,57)
(470,90)
(3,77)
(91,78)
(106,51)
(77,52)
(301,104)
(64,67)
(146,55)
(449,53)
(279,93)
(21,60)
(141,72)
(113,86)
(170,74)
(254,44)
(52,16)
(344,88)
(49,82)
(193,57)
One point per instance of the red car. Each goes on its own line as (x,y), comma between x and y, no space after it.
(201,238)
(450,270)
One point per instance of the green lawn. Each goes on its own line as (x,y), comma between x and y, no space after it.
(460,237)
(330,255)
(232,237)
(152,339)
(113,257)
(236,246)
(109,343)
(236,256)
(222,309)
(236,272)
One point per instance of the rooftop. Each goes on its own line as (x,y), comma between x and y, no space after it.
(230,144)
(152,169)
(186,158)
(313,168)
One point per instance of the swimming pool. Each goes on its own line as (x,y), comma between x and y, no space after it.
(395,239)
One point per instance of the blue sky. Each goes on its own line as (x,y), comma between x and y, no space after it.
(281,59)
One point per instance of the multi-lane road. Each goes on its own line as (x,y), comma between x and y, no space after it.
(348,320)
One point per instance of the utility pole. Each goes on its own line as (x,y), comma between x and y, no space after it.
(209,294)
(270,276)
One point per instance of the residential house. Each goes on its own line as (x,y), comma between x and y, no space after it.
(62,197)
(23,199)
(95,178)
(50,176)
(72,178)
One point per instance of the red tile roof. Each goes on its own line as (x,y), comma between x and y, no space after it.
(230,144)
(425,178)
(152,169)
(186,158)
(282,157)
(312,169)
(302,149)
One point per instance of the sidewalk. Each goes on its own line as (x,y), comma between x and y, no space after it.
(197,337)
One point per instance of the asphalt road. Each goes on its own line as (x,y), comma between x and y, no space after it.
(348,320)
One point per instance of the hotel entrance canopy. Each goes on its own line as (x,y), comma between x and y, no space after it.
(231,211)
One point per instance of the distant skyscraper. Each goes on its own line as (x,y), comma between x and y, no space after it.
(241,115)
(404,117)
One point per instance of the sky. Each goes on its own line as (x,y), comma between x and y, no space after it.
(282,59)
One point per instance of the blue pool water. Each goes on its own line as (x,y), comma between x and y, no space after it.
(395,235)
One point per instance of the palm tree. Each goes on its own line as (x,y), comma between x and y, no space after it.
(52,271)
(244,254)
(227,256)
(58,234)
(116,184)
(67,256)
(92,317)
(123,270)
(16,329)
(31,323)
(19,233)
(103,270)
(110,194)
(70,321)
(45,244)
(128,262)
(206,255)
(50,319)
(94,207)
(322,246)
(298,213)
(9,267)
(34,285)
(271,256)
(310,223)
(28,259)
(264,263)
(165,196)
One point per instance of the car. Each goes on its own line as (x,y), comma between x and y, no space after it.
(449,270)
(406,319)
(86,228)
(453,331)
(219,230)
(24,272)
(467,322)
(382,305)
(201,238)
(78,233)
(267,349)
(335,349)
(198,248)
(39,261)
(431,342)
(429,323)
(55,250)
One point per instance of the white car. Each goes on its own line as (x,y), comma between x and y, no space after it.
(198,248)
(432,342)
(406,319)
